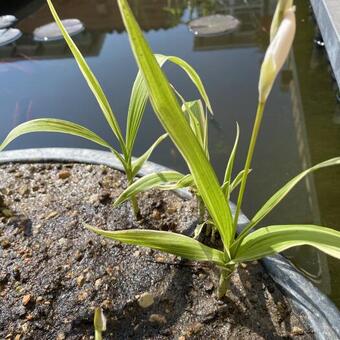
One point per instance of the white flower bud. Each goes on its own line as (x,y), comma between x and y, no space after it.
(281,8)
(277,54)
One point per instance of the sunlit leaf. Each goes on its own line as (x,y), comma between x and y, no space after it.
(99,322)
(184,182)
(139,96)
(170,115)
(193,75)
(138,163)
(89,77)
(168,242)
(230,165)
(274,239)
(54,125)
(196,115)
(154,180)
(283,192)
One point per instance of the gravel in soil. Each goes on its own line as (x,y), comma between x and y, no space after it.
(53,272)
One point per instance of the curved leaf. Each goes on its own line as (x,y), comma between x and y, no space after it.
(139,96)
(193,75)
(171,117)
(53,125)
(230,165)
(89,77)
(154,180)
(138,163)
(283,192)
(168,242)
(184,182)
(274,239)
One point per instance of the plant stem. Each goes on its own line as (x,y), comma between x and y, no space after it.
(256,128)
(133,198)
(135,207)
(98,335)
(201,210)
(213,235)
(224,281)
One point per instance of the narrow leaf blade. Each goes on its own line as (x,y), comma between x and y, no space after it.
(89,76)
(139,96)
(170,115)
(138,163)
(274,239)
(168,242)
(230,165)
(148,182)
(282,193)
(53,125)
(190,71)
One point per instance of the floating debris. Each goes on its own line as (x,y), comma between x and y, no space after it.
(213,25)
(7,21)
(9,35)
(51,31)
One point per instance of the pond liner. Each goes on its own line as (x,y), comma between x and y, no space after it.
(322,315)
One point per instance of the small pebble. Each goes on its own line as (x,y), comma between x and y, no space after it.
(80,280)
(297,331)
(51,215)
(157,318)
(82,296)
(63,174)
(26,299)
(61,336)
(160,258)
(156,215)
(145,300)
(5,243)
(98,283)
(6,212)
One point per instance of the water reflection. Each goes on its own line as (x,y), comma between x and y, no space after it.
(300,126)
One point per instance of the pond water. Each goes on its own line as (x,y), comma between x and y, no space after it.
(302,119)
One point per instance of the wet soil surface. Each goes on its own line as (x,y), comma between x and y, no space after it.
(53,272)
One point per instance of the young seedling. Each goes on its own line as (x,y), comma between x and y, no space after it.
(249,245)
(138,101)
(99,322)
(172,180)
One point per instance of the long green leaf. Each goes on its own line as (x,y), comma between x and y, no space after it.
(170,115)
(274,239)
(185,182)
(138,163)
(168,242)
(139,96)
(196,115)
(89,77)
(229,188)
(54,125)
(282,193)
(230,165)
(193,75)
(154,180)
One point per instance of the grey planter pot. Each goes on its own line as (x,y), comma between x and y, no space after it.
(321,314)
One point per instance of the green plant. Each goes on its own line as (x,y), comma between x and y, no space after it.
(138,100)
(248,245)
(99,322)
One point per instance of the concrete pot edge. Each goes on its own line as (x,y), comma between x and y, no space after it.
(321,314)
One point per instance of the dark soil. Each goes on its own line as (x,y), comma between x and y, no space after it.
(53,272)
